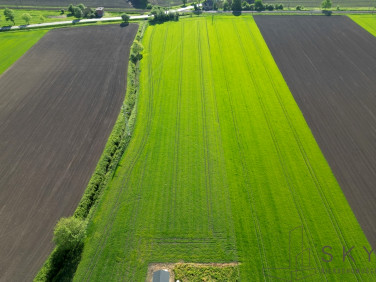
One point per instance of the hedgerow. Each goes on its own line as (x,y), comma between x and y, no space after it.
(63,262)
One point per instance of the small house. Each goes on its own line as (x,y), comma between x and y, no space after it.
(99,12)
(161,276)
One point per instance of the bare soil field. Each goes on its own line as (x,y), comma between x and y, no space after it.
(58,104)
(329,63)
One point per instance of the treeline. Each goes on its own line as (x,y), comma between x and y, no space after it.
(161,14)
(80,11)
(249,5)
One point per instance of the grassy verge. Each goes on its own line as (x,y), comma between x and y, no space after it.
(222,167)
(368,22)
(61,265)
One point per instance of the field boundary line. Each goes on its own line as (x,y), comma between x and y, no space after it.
(117,203)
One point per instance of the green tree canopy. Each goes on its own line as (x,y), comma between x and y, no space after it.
(259,6)
(326,4)
(236,5)
(125,18)
(26,17)
(77,12)
(69,233)
(9,15)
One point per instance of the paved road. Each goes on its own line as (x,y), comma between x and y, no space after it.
(84,21)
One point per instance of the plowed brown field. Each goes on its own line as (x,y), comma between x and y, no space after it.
(329,63)
(58,104)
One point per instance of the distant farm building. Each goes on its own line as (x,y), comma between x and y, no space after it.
(161,276)
(99,12)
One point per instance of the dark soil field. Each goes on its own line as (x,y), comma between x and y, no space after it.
(329,63)
(58,104)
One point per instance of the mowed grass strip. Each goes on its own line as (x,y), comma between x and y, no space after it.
(221,167)
(368,22)
(14,44)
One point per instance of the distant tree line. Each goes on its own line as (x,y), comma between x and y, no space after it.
(249,5)
(161,14)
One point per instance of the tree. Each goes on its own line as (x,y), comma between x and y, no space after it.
(226,6)
(42,18)
(269,7)
(159,14)
(259,6)
(9,15)
(326,4)
(125,18)
(236,5)
(69,233)
(81,6)
(71,9)
(88,13)
(184,2)
(77,12)
(26,17)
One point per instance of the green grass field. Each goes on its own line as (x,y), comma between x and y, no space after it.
(49,16)
(368,22)
(221,167)
(14,44)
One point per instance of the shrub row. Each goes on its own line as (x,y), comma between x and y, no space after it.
(161,14)
(249,5)
(63,260)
